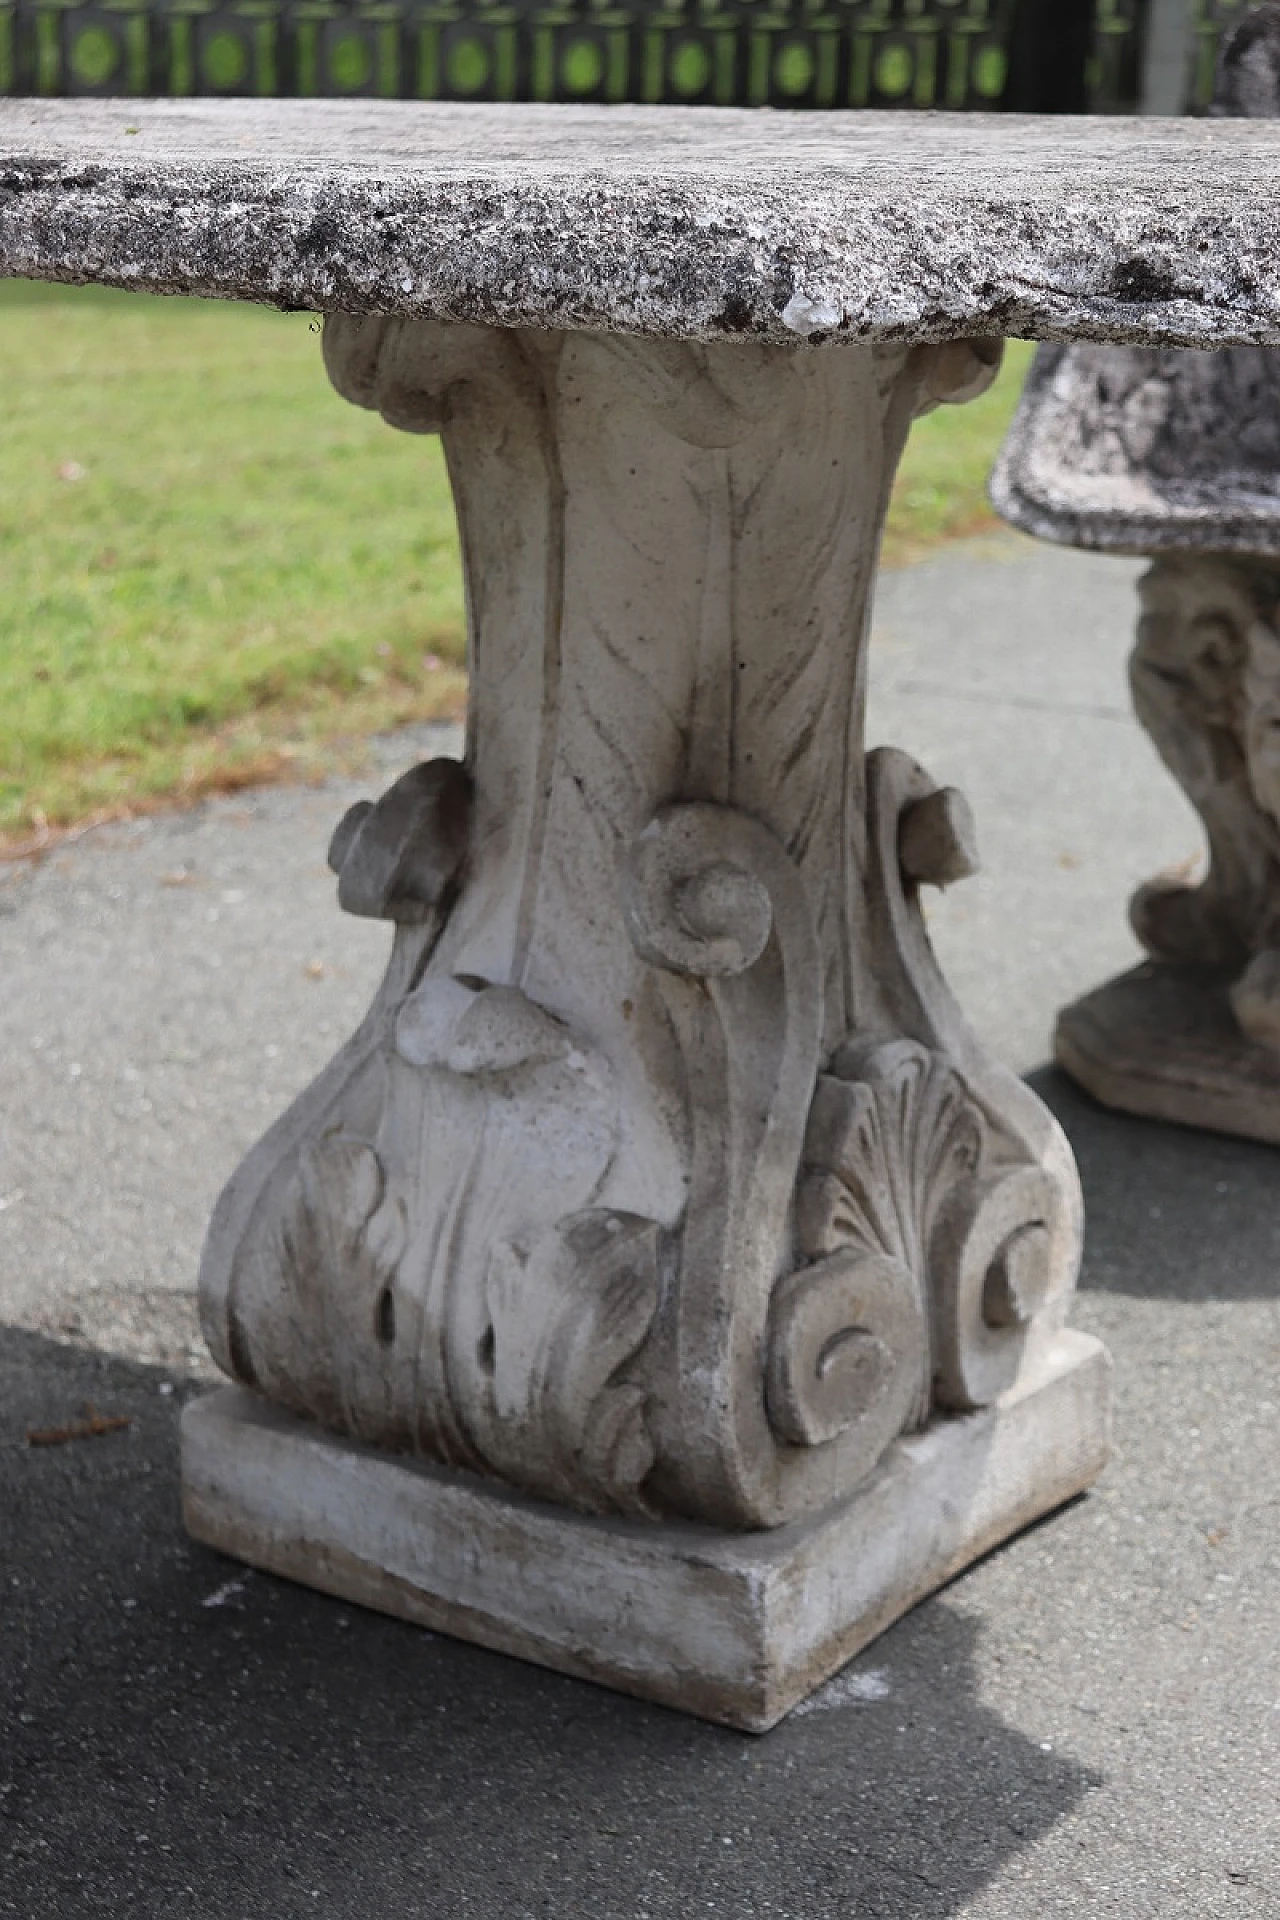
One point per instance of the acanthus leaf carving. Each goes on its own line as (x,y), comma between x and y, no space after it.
(565,1319)
(342,1236)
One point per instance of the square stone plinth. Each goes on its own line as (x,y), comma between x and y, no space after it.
(735,1627)
(1162,1041)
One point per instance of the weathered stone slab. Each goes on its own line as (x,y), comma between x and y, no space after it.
(681,222)
(734,1627)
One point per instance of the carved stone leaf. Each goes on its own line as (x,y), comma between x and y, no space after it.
(503,1123)
(342,1238)
(564,1319)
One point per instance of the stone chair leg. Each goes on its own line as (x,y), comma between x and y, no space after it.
(1193,1034)
(662,1284)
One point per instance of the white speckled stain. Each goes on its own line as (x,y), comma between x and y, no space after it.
(852,1688)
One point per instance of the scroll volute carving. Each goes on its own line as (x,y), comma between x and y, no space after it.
(1205,675)
(313,1184)
(399,858)
(410,371)
(995,1210)
(954,373)
(502,1343)
(716,907)
(934,1206)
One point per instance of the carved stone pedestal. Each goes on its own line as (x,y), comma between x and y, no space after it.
(1194,1034)
(664,1181)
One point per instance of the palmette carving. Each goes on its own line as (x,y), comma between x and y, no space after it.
(907,1168)
(659,990)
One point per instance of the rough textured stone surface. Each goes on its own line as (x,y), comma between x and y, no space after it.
(697,223)
(1249,66)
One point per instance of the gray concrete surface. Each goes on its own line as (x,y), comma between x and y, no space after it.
(1087,1724)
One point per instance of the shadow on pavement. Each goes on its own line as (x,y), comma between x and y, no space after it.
(179,1736)
(1171,1213)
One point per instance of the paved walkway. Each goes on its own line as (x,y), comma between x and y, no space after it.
(1088,1724)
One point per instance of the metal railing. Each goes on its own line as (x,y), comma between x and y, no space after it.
(1036,55)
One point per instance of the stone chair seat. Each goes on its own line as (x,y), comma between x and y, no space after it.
(1144,450)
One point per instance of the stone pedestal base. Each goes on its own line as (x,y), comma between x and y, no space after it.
(735,1627)
(1162,1042)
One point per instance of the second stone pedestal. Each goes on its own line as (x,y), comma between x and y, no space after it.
(1193,1035)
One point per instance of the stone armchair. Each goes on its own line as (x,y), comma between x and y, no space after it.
(1177,456)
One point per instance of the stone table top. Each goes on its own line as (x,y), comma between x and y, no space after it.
(691,223)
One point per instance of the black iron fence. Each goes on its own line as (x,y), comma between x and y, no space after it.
(1034,55)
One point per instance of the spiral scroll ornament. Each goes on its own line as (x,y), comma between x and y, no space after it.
(846,1342)
(930,1241)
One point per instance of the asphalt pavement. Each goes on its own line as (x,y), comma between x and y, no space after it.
(1086,1724)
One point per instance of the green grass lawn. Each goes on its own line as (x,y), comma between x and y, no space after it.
(216,572)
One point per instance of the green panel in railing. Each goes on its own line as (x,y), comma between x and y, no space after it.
(946,53)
